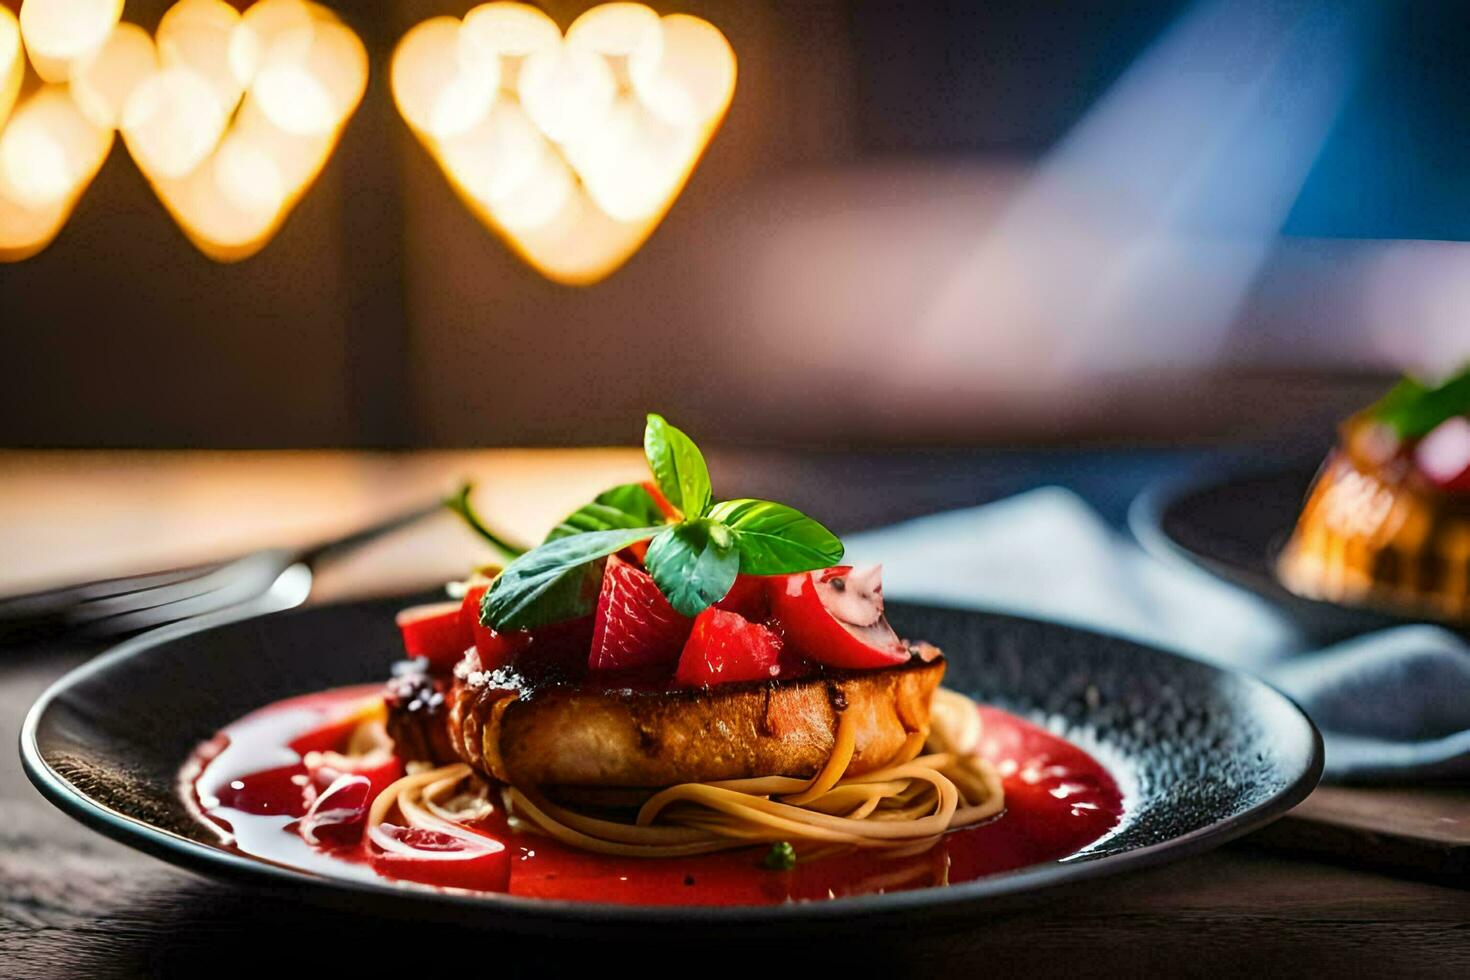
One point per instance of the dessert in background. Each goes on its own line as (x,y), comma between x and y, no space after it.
(1387,522)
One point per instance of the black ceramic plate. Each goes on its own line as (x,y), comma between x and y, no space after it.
(1204,755)
(1232,522)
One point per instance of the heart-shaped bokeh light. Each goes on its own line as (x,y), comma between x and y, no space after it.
(571,148)
(49,149)
(230,116)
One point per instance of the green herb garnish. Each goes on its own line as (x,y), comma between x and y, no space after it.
(781,857)
(678,466)
(1413,409)
(626,506)
(555,582)
(694,563)
(693,559)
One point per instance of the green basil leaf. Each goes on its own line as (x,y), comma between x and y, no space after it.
(555,582)
(694,564)
(459,502)
(775,539)
(678,467)
(1413,409)
(628,505)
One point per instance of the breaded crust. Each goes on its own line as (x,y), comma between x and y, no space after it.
(581,736)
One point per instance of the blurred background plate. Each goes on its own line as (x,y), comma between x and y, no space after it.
(1232,522)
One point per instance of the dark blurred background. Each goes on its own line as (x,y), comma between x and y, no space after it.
(922,223)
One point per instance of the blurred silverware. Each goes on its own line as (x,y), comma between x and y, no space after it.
(131,604)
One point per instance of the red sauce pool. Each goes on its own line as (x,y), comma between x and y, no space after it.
(249,781)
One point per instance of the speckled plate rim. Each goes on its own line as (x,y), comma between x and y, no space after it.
(1146,522)
(517,913)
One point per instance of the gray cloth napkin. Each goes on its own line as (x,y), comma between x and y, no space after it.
(1393,705)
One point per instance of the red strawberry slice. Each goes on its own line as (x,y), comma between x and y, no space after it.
(725,646)
(635,625)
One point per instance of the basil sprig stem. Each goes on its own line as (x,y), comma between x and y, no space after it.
(693,557)
(459,502)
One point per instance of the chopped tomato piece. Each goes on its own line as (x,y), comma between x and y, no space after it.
(337,815)
(1443,456)
(495,649)
(836,616)
(725,646)
(561,642)
(431,857)
(635,626)
(436,632)
(749,596)
(379,768)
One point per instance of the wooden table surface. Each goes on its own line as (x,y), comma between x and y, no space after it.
(74,904)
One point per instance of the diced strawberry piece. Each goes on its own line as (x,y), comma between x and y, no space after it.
(811,607)
(749,596)
(725,646)
(436,632)
(431,857)
(495,649)
(635,625)
(564,645)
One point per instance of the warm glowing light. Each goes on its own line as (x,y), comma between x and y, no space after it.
(312,88)
(630,161)
(566,92)
(514,30)
(58,32)
(496,158)
(49,149)
(618,31)
(236,202)
(12,63)
(540,199)
(103,82)
(442,88)
(49,153)
(248,176)
(264,27)
(590,138)
(196,34)
(172,122)
(231,116)
(230,176)
(691,77)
